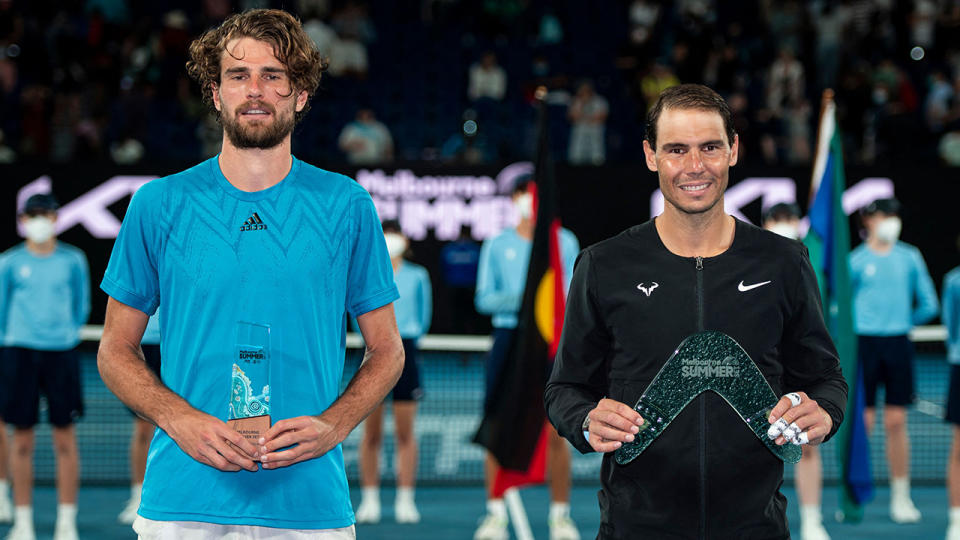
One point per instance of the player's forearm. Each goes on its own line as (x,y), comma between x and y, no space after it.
(378,373)
(124,371)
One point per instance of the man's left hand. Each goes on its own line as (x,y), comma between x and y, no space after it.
(309,437)
(803,422)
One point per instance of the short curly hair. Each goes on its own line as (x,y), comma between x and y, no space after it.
(291,45)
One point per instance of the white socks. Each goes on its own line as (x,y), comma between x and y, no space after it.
(810,514)
(955,515)
(4,488)
(559,510)
(899,488)
(66,514)
(370,494)
(23,515)
(496,507)
(404,495)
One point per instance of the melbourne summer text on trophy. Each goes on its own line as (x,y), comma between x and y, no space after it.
(249,411)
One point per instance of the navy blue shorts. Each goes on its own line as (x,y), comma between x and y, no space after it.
(28,373)
(499,351)
(887,360)
(408,387)
(953,396)
(151,353)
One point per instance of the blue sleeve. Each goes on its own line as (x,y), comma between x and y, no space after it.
(5,284)
(489,298)
(927,306)
(131,277)
(81,288)
(948,313)
(426,300)
(570,250)
(369,277)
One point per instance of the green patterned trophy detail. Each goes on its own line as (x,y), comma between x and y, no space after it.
(249,409)
(707,361)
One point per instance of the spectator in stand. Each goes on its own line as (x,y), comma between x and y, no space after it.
(348,57)
(588,117)
(656,81)
(366,140)
(487,80)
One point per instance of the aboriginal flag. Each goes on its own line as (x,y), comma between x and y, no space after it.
(514,425)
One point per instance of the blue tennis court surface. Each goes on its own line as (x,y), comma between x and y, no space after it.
(451,513)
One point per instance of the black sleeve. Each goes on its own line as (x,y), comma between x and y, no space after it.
(810,358)
(579,378)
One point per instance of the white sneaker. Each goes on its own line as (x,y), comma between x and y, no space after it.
(902,510)
(953,531)
(563,528)
(406,512)
(813,531)
(129,512)
(369,511)
(6,510)
(65,532)
(492,527)
(22,532)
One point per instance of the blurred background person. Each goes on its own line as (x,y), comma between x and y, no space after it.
(6,506)
(501,280)
(892,292)
(142,429)
(366,140)
(950,315)
(44,300)
(588,117)
(459,260)
(784,219)
(486,79)
(414,311)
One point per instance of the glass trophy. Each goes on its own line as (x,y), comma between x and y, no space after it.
(249,412)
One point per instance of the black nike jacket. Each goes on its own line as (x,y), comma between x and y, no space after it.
(630,304)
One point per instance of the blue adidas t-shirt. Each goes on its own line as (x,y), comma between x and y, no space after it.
(297,257)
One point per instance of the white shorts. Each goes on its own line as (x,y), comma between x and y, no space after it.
(148,529)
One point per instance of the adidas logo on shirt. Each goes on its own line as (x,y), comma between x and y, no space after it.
(253,223)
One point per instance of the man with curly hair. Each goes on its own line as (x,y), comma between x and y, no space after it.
(257,259)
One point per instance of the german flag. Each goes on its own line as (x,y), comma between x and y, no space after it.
(514,425)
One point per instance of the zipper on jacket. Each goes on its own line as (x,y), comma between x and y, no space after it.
(703,413)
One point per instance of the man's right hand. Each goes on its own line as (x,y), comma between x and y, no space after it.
(211,441)
(611,424)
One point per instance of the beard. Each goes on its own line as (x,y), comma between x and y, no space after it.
(257,134)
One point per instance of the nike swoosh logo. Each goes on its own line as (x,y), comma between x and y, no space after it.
(744,288)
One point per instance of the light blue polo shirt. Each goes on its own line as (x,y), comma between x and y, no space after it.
(502,273)
(892,292)
(44,299)
(296,257)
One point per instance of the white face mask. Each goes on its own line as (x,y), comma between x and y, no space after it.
(396,244)
(39,229)
(888,230)
(524,205)
(785,229)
